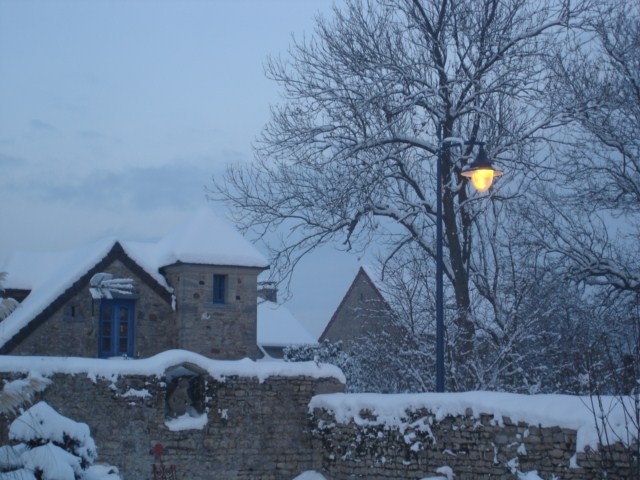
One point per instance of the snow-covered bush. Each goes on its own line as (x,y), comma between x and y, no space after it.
(16,393)
(51,447)
(328,352)
(378,362)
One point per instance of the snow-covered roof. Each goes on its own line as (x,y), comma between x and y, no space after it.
(47,275)
(374,276)
(205,239)
(33,270)
(277,327)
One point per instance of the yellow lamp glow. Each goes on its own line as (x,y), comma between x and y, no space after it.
(482,179)
(481,172)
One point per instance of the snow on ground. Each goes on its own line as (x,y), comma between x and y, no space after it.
(444,473)
(310,475)
(529,476)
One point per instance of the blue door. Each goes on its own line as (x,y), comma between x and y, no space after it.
(116,328)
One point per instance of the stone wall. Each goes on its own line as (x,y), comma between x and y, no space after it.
(254,430)
(263,429)
(474,447)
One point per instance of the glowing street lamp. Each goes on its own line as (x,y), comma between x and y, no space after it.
(482,174)
(481,171)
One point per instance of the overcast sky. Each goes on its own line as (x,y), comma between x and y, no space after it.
(114,116)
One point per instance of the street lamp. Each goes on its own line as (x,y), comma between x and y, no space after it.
(482,174)
(480,171)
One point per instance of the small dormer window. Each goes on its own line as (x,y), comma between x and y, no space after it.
(219,288)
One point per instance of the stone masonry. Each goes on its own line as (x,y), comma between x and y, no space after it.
(223,331)
(263,430)
(475,448)
(72,329)
(254,430)
(362,311)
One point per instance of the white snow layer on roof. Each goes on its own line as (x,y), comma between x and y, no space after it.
(565,411)
(47,276)
(277,327)
(33,270)
(158,365)
(205,239)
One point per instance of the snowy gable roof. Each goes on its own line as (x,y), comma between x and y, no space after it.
(277,327)
(31,270)
(206,239)
(47,275)
(377,282)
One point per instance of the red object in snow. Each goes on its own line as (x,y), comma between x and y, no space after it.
(157,451)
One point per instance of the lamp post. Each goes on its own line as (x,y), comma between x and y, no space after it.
(481,173)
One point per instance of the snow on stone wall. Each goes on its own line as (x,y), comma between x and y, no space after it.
(184,414)
(408,436)
(250,428)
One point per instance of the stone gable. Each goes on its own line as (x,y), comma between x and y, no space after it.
(72,328)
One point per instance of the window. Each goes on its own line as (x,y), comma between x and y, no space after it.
(70,313)
(219,288)
(116,328)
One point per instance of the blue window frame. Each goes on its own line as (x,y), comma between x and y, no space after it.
(219,288)
(116,332)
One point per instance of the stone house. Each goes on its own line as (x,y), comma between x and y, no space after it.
(386,333)
(195,289)
(363,309)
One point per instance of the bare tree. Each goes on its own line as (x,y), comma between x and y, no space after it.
(401,358)
(589,221)
(599,86)
(349,157)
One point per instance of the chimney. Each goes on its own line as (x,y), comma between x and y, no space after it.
(268,291)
